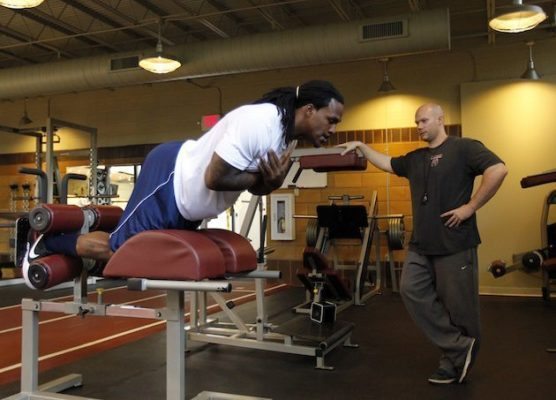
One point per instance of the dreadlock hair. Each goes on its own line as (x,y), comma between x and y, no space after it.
(288,99)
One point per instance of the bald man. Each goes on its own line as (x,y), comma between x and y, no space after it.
(439,283)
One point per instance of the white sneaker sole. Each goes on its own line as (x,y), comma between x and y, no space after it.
(441,382)
(468,358)
(25,267)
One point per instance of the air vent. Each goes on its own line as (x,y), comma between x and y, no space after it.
(118,64)
(384,30)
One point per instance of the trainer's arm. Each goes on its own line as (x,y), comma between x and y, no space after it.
(490,183)
(376,158)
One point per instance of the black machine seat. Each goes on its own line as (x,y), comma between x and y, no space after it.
(343,221)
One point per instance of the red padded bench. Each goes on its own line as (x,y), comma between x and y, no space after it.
(177,255)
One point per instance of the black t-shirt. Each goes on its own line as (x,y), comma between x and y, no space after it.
(441,179)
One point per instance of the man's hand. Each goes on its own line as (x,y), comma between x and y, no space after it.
(273,171)
(456,216)
(349,146)
(379,160)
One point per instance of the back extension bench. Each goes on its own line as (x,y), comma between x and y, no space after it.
(172,260)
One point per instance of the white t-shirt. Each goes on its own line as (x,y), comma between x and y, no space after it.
(241,138)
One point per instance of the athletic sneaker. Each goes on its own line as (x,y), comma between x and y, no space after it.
(442,377)
(22,229)
(34,251)
(468,360)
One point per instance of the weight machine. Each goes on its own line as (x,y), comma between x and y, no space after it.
(47,177)
(45,135)
(339,224)
(544,258)
(342,222)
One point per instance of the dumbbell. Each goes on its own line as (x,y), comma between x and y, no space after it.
(532,260)
(498,268)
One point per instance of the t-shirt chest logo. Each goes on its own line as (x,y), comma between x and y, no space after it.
(435,160)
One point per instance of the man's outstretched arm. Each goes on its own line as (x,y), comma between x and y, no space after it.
(379,160)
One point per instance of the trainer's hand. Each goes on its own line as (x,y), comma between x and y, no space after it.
(457,215)
(349,146)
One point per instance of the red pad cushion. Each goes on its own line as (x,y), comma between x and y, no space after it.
(313,258)
(167,254)
(54,218)
(539,179)
(549,265)
(106,217)
(239,255)
(333,162)
(56,269)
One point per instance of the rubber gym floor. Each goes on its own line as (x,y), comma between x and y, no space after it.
(393,360)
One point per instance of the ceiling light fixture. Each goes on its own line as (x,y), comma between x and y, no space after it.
(20,3)
(386,85)
(25,120)
(517,17)
(531,72)
(159,62)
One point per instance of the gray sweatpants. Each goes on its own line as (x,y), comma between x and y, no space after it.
(441,293)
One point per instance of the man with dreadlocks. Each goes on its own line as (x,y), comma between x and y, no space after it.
(182,183)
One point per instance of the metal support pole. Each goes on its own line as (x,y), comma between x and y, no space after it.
(259,295)
(49,161)
(29,348)
(175,346)
(249,216)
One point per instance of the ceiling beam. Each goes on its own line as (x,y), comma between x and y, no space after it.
(100,17)
(25,39)
(203,21)
(267,16)
(236,21)
(149,5)
(490,12)
(342,13)
(132,23)
(47,20)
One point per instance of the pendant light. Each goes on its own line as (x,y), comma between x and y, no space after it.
(159,62)
(20,3)
(517,17)
(531,73)
(386,86)
(25,120)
